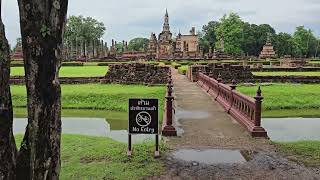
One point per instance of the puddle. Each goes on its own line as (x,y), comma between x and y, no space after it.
(183,114)
(114,129)
(292,129)
(210,156)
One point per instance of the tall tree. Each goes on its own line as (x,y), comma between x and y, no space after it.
(305,42)
(138,44)
(84,29)
(208,37)
(284,44)
(42,26)
(230,29)
(7,143)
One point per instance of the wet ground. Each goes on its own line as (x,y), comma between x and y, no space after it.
(292,129)
(212,140)
(114,129)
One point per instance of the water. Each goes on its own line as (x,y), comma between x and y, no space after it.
(292,129)
(97,124)
(210,156)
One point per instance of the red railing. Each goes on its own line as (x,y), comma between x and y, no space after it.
(169,110)
(244,109)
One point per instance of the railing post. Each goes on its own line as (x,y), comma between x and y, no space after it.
(257,130)
(257,116)
(219,81)
(233,88)
(168,129)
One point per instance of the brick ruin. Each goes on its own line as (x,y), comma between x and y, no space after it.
(137,73)
(267,51)
(228,72)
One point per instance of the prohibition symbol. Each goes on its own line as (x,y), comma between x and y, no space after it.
(143,119)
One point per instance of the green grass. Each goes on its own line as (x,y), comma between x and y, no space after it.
(110,98)
(307,152)
(286,73)
(295,97)
(69,71)
(96,96)
(183,69)
(85,157)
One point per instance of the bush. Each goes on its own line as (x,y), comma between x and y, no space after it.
(183,70)
(72,64)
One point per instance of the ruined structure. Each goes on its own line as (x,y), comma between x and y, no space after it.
(267,51)
(167,47)
(18,53)
(288,61)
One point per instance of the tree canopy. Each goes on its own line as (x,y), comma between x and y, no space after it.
(138,44)
(244,38)
(83,29)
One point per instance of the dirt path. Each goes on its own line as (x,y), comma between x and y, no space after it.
(205,126)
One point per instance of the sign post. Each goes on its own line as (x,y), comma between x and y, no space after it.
(143,119)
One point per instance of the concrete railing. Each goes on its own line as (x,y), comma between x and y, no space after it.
(246,110)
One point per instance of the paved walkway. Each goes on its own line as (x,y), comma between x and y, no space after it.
(204,121)
(206,126)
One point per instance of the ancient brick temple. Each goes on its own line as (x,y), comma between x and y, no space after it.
(167,47)
(267,51)
(18,54)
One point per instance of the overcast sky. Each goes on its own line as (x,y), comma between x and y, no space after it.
(126,19)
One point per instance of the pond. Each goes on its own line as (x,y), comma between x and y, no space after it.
(292,129)
(101,123)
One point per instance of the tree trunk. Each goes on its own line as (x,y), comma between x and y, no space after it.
(7,143)
(42,25)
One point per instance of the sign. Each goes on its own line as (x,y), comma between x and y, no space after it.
(143,116)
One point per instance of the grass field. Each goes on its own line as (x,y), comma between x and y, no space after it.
(293,97)
(307,152)
(183,69)
(70,71)
(96,96)
(286,73)
(85,157)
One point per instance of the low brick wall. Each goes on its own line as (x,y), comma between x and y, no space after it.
(286,69)
(242,74)
(228,72)
(137,73)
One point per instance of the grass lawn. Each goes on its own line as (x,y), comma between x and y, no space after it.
(96,96)
(295,98)
(85,157)
(70,71)
(286,73)
(183,69)
(307,152)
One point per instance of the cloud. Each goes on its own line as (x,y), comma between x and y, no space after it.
(126,19)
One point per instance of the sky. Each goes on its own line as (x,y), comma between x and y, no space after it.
(127,19)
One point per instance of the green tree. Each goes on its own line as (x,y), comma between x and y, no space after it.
(138,44)
(208,37)
(305,42)
(284,44)
(81,28)
(230,29)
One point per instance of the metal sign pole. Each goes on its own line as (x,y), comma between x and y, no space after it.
(157,152)
(129,153)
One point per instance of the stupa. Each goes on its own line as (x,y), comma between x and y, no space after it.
(267,51)
(18,53)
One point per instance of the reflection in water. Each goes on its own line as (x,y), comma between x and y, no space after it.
(210,156)
(114,128)
(292,129)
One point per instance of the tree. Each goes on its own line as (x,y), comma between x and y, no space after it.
(208,37)
(85,29)
(284,44)
(8,149)
(230,29)
(42,26)
(305,42)
(138,44)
